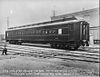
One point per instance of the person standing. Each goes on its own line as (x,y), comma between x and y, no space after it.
(4,50)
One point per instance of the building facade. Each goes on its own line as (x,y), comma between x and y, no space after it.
(92,17)
(1,37)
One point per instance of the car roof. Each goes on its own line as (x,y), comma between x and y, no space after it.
(42,25)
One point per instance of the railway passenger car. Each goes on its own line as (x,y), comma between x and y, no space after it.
(69,34)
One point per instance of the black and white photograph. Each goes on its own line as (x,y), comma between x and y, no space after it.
(49,38)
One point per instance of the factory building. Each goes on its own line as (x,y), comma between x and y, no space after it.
(92,17)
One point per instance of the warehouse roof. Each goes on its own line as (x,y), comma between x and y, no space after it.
(75,13)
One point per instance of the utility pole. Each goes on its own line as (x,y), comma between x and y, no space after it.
(7,22)
(83,9)
(54,13)
(8,19)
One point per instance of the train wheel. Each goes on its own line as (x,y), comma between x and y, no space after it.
(72,47)
(19,43)
(61,46)
(75,47)
(11,42)
(52,45)
(57,46)
(68,47)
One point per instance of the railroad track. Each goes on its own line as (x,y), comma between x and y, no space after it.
(53,53)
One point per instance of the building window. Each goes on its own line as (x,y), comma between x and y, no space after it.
(71,27)
(46,32)
(59,31)
(53,31)
(65,31)
(43,31)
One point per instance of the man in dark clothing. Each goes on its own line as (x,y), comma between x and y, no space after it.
(4,51)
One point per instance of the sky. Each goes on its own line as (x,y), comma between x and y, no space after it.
(20,12)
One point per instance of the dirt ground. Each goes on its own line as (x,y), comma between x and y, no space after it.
(28,66)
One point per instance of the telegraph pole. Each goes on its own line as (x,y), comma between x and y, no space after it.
(54,13)
(7,22)
(8,19)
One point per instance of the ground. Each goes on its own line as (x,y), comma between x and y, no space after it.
(28,66)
